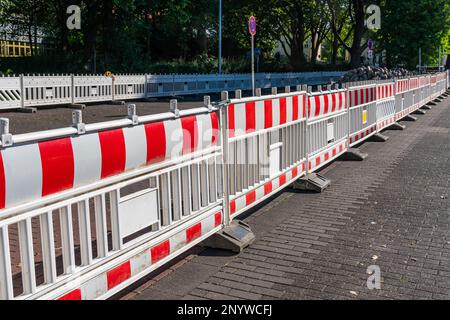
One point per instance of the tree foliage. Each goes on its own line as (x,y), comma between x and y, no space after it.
(128,35)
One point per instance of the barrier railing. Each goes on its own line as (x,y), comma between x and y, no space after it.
(43,90)
(87,210)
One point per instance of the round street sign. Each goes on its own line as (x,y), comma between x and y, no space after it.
(252,25)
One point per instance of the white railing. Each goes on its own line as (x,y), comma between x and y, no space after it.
(43,90)
(87,210)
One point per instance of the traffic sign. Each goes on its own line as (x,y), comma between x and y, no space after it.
(252,25)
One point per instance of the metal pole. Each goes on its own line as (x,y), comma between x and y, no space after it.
(253,65)
(220,37)
(420,60)
(439,63)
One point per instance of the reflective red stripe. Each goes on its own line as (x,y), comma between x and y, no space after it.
(326,103)
(231,126)
(283,111)
(73,295)
(295,172)
(156,142)
(215,128)
(295,108)
(250,117)
(190,134)
(112,144)
(160,251)
(57,165)
(318,106)
(217,219)
(118,275)
(233,207)
(268,114)
(334,153)
(193,232)
(2,184)
(250,198)
(282,179)
(267,188)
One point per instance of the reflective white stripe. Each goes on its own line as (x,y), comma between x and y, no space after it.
(87,158)
(241,203)
(208,224)
(140,262)
(289,109)
(275,112)
(23,174)
(95,287)
(177,241)
(174,138)
(239,119)
(204,127)
(260,193)
(136,147)
(260,115)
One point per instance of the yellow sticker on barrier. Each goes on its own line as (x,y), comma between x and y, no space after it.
(364,116)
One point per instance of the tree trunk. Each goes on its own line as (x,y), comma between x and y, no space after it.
(335,49)
(297,57)
(355,50)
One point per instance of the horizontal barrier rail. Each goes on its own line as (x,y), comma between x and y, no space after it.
(43,90)
(87,210)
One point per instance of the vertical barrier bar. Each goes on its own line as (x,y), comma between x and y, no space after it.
(48,247)
(85,232)
(223,116)
(27,256)
(22,92)
(68,253)
(6,286)
(114,197)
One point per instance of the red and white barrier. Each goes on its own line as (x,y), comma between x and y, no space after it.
(32,171)
(194,175)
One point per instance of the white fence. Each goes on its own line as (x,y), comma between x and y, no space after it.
(87,210)
(42,90)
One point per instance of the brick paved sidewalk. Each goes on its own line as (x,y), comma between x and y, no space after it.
(392,210)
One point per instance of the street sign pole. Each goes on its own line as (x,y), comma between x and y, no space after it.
(252,30)
(220,37)
(253,65)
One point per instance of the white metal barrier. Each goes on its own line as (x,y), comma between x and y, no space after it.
(362,111)
(43,90)
(92,208)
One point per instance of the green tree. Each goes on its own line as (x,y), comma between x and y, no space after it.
(408,25)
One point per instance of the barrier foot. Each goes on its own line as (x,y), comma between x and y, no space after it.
(117,102)
(421,112)
(426,107)
(409,118)
(397,126)
(431,103)
(354,154)
(236,237)
(28,110)
(378,137)
(77,106)
(438,100)
(312,182)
